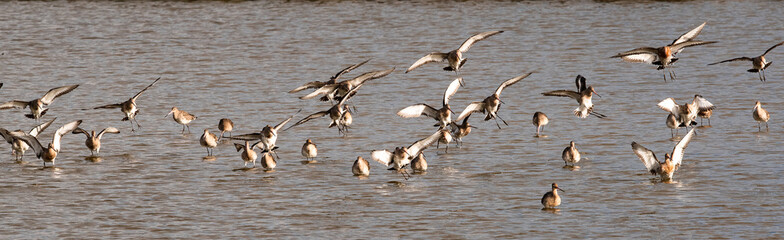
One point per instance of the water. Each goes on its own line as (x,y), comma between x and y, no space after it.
(239,59)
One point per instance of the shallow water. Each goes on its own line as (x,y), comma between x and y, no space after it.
(239,59)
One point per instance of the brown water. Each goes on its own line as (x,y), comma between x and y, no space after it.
(238,60)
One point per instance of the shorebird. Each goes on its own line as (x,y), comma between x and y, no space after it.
(129,107)
(443,115)
(19,147)
(551,199)
(309,151)
(664,56)
(570,154)
(93,141)
(758,63)
(455,57)
(402,156)
(760,115)
(225,125)
(248,154)
(38,106)
(490,105)
(49,153)
(268,135)
(671,161)
(332,80)
(419,164)
(360,167)
(461,130)
(339,114)
(705,113)
(673,123)
(268,162)
(446,138)
(209,141)
(183,118)
(583,96)
(539,121)
(337,91)
(686,113)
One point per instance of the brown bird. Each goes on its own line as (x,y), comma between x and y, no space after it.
(340,114)
(671,162)
(570,154)
(402,156)
(461,130)
(209,141)
(664,56)
(49,153)
(93,141)
(455,57)
(490,105)
(686,113)
(309,151)
(181,117)
(360,167)
(129,107)
(760,115)
(225,125)
(248,154)
(268,135)
(443,115)
(268,162)
(332,80)
(540,119)
(419,164)
(583,95)
(38,106)
(19,147)
(758,63)
(551,199)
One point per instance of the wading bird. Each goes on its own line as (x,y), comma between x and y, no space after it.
(93,141)
(402,156)
(583,95)
(672,161)
(760,115)
(550,200)
(337,91)
(38,106)
(129,107)
(182,117)
(19,147)
(687,113)
(332,80)
(49,153)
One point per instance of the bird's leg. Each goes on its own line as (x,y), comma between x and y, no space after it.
(672,75)
(664,75)
(542,128)
(671,135)
(189,128)
(447,148)
(766,127)
(499,117)
(709,124)
(208,151)
(759,126)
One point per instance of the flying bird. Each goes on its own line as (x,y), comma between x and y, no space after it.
(337,91)
(686,114)
(340,114)
(442,115)
(19,147)
(38,106)
(49,153)
(758,63)
(455,57)
(490,105)
(583,96)
(129,107)
(332,80)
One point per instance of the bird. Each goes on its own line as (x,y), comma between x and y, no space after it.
(760,115)
(248,154)
(129,107)
(540,119)
(49,154)
(38,106)
(419,164)
(360,167)
(19,147)
(225,125)
(93,141)
(705,114)
(461,130)
(332,80)
(446,138)
(664,56)
(209,141)
(442,115)
(570,154)
(687,113)
(340,114)
(583,95)
(402,156)
(490,105)
(268,162)
(672,161)
(309,151)
(337,91)
(455,57)
(550,200)
(268,135)
(182,117)
(673,123)
(758,63)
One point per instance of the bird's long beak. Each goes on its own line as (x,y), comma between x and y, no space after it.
(597,94)
(560,189)
(168,114)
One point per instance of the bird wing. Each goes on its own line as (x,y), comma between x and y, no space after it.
(309,117)
(65,129)
(53,93)
(145,89)
(369,76)
(34,144)
(314,84)
(116,105)
(771,48)
(80,130)
(40,128)
(247,137)
(580,82)
(563,93)
(646,156)
(510,82)
(420,145)
(473,39)
(7,135)
(349,94)
(432,57)
(643,54)
(677,48)
(322,90)
(451,90)
(678,150)
(734,59)
(688,36)
(107,130)
(473,107)
(14,104)
(670,106)
(418,110)
(382,156)
(348,69)
(281,124)
(702,104)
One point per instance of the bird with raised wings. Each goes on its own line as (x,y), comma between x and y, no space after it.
(490,105)
(129,107)
(402,156)
(758,63)
(583,95)
(339,114)
(672,161)
(93,141)
(442,115)
(49,153)
(268,135)
(455,57)
(19,147)
(686,114)
(38,106)
(664,56)
(332,80)
(337,91)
